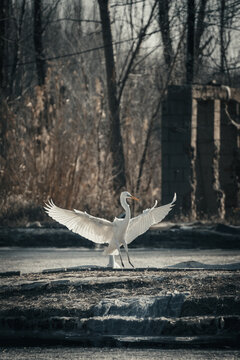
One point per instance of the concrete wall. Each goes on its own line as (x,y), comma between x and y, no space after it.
(195,146)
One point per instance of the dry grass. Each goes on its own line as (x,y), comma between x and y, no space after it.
(56,146)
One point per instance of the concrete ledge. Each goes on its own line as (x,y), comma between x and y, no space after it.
(172,308)
(9,273)
(186,266)
(180,236)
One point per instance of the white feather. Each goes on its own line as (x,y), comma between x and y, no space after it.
(95,229)
(115,234)
(141,223)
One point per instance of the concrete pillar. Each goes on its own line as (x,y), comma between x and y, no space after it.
(230,156)
(201,150)
(178,148)
(210,197)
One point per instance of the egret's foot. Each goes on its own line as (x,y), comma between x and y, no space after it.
(122,263)
(129,261)
(131,264)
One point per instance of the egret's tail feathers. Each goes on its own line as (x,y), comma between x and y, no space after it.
(110,251)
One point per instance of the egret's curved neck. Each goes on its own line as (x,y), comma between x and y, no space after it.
(126,208)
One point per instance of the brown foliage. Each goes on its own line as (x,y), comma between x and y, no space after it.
(51,155)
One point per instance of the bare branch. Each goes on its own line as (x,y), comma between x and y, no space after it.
(233,122)
(141,37)
(77,20)
(51,11)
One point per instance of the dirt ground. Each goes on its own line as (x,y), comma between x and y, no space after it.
(68,293)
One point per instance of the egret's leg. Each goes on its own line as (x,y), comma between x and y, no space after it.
(121,258)
(112,262)
(126,249)
(120,255)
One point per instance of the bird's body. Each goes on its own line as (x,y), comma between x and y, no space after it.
(120,232)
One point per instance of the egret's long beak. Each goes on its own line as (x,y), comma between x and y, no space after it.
(134,198)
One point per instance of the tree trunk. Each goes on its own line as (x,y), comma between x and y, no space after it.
(200,27)
(2,36)
(4,21)
(163,19)
(4,18)
(37,38)
(190,41)
(116,144)
(222,45)
(16,51)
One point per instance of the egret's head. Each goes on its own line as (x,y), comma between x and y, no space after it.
(126,195)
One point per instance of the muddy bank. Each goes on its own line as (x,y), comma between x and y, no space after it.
(167,235)
(173,307)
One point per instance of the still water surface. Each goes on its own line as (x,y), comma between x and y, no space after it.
(38,259)
(78,353)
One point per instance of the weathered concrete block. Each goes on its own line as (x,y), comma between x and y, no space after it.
(174,175)
(194,116)
(180,161)
(165,161)
(176,135)
(170,148)
(145,306)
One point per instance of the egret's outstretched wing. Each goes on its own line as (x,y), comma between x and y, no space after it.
(95,229)
(141,223)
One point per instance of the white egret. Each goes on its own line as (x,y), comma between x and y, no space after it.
(115,234)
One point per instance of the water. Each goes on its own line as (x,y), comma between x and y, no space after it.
(37,259)
(78,353)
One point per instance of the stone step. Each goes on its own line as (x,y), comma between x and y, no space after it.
(54,327)
(116,307)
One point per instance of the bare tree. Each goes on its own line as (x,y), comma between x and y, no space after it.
(222,40)
(78,42)
(38,41)
(155,113)
(4,19)
(16,51)
(2,47)
(115,89)
(227,13)
(200,28)
(116,144)
(164,24)
(190,41)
